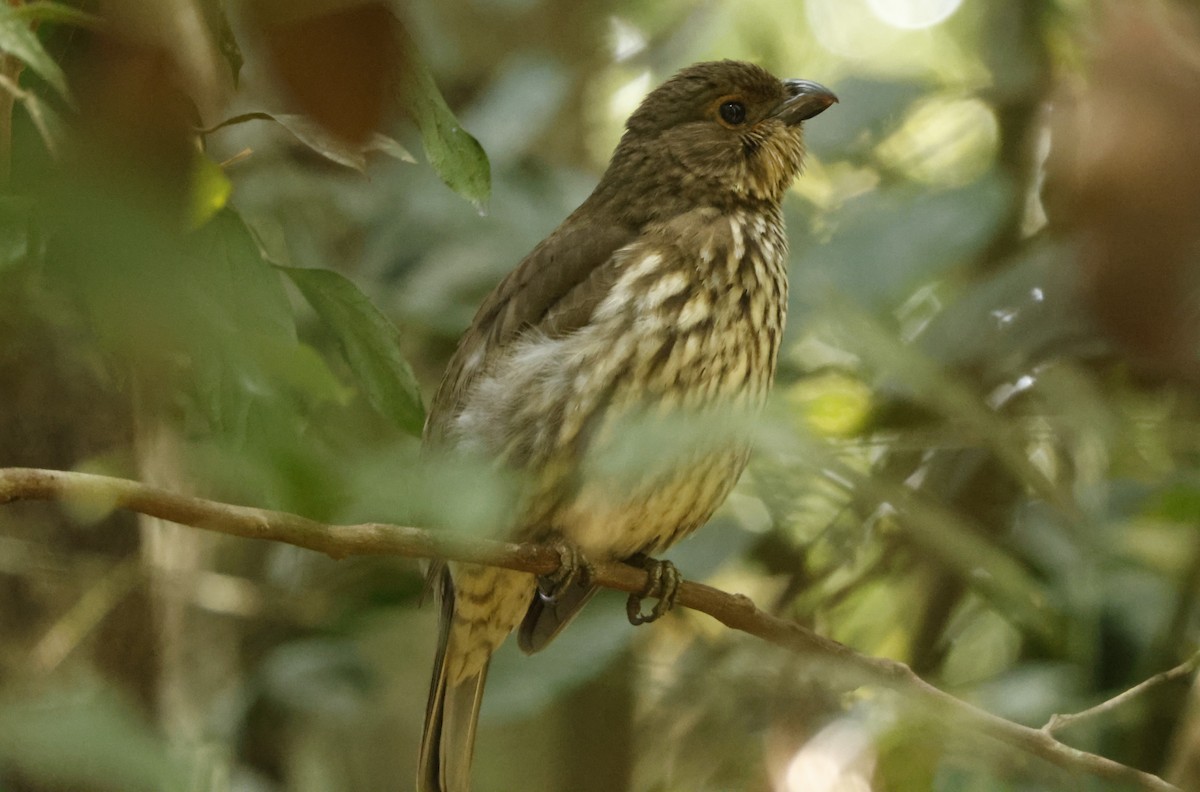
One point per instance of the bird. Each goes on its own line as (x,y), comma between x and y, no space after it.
(662,296)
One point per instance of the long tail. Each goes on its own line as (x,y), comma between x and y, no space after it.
(451,715)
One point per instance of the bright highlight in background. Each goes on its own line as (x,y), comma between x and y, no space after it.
(840,758)
(913,14)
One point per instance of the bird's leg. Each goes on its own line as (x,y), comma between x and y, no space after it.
(664,584)
(573,568)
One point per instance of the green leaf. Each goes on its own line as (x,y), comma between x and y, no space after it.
(909,753)
(248,291)
(369,341)
(56,14)
(331,147)
(19,40)
(210,190)
(85,737)
(304,370)
(1178,502)
(16,214)
(233,316)
(453,152)
(217,20)
(48,123)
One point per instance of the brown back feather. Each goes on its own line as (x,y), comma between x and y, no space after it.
(553,291)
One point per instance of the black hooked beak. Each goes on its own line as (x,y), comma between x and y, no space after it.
(807,100)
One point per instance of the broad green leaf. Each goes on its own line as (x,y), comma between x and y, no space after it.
(267,371)
(414,488)
(200,312)
(313,135)
(235,321)
(453,152)
(248,289)
(369,342)
(982,645)
(56,14)
(19,40)
(302,368)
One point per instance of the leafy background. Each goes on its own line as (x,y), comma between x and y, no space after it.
(981,458)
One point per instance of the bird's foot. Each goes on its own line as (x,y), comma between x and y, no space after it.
(664,584)
(573,568)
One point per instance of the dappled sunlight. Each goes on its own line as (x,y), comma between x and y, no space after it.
(831,404)
(979,456)
(913,14)
(872,36)
(944,142)
(839,758)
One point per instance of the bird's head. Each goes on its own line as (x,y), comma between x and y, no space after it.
(719,128)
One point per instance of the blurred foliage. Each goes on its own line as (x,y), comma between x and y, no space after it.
(983,458)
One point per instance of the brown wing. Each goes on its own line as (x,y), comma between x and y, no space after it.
(554,290)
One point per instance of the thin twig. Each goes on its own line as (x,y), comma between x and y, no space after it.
(1184,669)
(733,610)
(69,631)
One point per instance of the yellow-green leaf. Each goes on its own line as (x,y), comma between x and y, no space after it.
(210,191)
(369,341)
(19,40)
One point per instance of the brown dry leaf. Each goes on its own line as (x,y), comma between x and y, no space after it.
(132,103)
(1127,155)
(335,60)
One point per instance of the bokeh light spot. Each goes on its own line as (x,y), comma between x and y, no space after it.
(944,141)
(840,758)
(913,14)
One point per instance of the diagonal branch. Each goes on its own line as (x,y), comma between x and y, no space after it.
(733,610)
(1184,669)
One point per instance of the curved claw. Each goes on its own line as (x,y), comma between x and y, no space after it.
(573,567)
(663,584)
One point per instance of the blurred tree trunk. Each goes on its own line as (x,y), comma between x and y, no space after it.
(198,650)
(596,731)
(59,414)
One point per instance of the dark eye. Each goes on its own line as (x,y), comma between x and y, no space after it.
(733,113)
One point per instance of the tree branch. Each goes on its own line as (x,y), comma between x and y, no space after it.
(1184,669)
(733,610)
